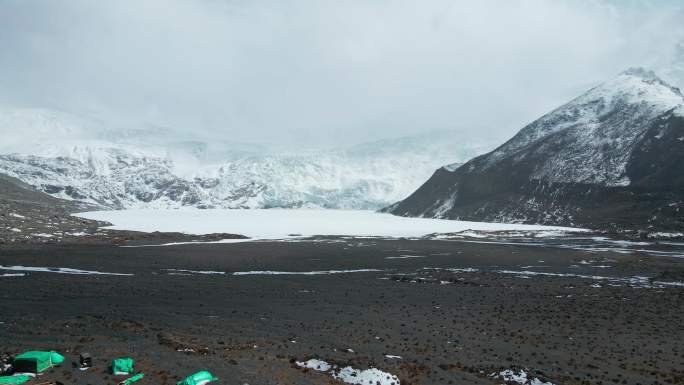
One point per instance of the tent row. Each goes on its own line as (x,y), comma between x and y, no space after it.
(28,365)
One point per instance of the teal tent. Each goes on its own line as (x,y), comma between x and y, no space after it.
(122,366)
(133,379)
(36,361)
(199,378)
(14,380)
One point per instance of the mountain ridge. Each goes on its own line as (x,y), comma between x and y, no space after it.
(607,158)
(188,172)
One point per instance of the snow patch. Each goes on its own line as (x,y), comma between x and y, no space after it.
(635,281)
(229,240)
(454,270)
(350,375)
(490,234)
(521,377)
(12,275)
(665,235)
(319,272)
(77,234)
(58,270)
(315,364)
(364,377)
(204,272)
(43,235)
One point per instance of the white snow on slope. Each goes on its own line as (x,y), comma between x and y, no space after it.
(282,223)
(596,132)
(58,270)
(128,178)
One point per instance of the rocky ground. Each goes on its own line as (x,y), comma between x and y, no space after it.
(29,216)
(426,311)
(454,309)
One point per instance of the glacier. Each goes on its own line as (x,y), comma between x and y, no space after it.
(81,158)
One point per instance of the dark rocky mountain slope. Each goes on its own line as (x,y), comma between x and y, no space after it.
(28,215)
(612,158)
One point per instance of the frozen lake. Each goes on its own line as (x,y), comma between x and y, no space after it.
(282,223)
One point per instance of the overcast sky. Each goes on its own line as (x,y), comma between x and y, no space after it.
(322,73)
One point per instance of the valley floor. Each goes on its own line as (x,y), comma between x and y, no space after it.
(427,311)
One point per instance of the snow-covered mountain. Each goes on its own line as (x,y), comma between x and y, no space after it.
(73,157)
(612,156)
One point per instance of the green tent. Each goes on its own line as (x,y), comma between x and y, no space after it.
(133,379)
(14,380)
(199,378)
(122,366)
(36,361)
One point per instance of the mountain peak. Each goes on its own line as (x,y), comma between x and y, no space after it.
(636,89)
(648,77)
(641,72)
(634,86)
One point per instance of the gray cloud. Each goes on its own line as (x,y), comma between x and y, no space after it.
(323,72)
